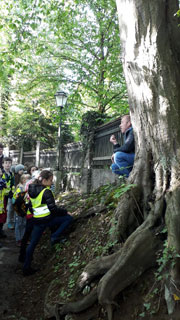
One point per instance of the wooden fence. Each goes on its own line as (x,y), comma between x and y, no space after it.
(79,172)
(103,149)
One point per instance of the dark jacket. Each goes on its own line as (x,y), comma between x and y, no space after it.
(48,198)
(129,145)
(1,160)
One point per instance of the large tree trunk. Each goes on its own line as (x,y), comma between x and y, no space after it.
(150,40)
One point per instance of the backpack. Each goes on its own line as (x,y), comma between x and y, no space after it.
(21,205)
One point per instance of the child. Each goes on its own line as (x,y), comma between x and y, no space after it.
(20,216)
(31,169)
(19,170)
(3,213)
(29,219)
(9,178)
(45,214)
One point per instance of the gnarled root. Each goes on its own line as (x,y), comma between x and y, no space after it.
(96,268)
(50,310)
(78,306)
(138,254)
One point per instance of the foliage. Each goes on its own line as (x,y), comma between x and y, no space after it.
(108,195)
(90,121)
(166,261)
(73,45)
(26,129)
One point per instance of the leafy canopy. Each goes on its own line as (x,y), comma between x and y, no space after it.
(49,44)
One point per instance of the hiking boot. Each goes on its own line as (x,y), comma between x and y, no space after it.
(29,272)
(2,235)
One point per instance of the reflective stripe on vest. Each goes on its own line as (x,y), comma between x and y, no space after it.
(8,183)
(40,210)
(2,194)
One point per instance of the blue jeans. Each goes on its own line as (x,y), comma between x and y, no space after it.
(26,237)
(20,226)
(61,221)
(123,163)
(10,211)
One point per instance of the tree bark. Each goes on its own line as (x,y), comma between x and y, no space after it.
(96,268)
(150,36)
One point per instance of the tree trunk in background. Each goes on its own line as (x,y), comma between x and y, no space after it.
(150,39)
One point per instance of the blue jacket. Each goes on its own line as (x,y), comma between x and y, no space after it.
(129,145)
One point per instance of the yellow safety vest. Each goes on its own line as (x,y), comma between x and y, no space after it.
(18,190)
(8,183)
(40,210)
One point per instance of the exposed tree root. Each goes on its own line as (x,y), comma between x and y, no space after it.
(96,268)
(50,310)
(92,211)
(121,268)
(138,254)
(78,306)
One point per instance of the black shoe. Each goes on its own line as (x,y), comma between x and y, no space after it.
(2,235)
(59,240)
(29,272)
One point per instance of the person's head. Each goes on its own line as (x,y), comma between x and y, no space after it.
(45,178)
(125,123)
(13,168)
(7,163)
(1,149)
(24,178)
(31,169)
(19,169)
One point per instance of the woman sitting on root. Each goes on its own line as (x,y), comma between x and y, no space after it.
(45,214)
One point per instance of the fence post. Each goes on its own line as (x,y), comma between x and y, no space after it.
(6,151)
(38,144)
(21,155)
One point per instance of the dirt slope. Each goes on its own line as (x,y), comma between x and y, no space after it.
(24,298)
